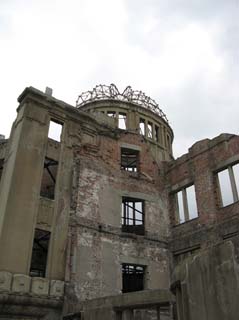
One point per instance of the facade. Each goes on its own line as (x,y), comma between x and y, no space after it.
(99,221)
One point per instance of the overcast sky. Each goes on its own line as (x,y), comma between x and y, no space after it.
(183,54)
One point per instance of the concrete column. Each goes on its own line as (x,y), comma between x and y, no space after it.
(128,314)
(57,256)
(18,198)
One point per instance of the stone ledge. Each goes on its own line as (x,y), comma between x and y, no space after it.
(34,286)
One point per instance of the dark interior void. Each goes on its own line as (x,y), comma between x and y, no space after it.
(129,159)
(133,278)
(49,178)
(132,215)
(39,253)
(1,167)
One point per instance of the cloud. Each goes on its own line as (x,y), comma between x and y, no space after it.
(183,54)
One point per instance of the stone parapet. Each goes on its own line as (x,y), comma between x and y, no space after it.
(35,286)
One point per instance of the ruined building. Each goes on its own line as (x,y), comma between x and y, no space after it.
(98,221)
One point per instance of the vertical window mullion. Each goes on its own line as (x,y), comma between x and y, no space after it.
(177,210)
(185,205)
(127,213)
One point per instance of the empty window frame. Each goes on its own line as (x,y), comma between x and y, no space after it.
(129,159)
(150,130)
(156,133)
(168,141)
(1,167)
(55,130)
(142,126)
(49,178)
(132,215)
(39,253)
(186,204)
(229,184)
(122,119)
(132,277)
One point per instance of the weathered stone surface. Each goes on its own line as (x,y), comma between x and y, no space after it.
(57,288)
(40,286)
(5,281)
(209,284)
(21,283)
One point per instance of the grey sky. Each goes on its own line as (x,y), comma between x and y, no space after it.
(184,54)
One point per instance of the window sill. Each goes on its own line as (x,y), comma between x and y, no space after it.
(185,222)
(132,235)
(228,205)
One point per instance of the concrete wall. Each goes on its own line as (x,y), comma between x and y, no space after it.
(207,284)
(141,305)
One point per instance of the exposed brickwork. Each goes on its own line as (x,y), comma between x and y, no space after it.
(87,245)
(200,167)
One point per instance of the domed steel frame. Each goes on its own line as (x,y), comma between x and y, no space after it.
(111,92)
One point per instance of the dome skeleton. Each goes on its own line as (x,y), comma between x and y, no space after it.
(111,92)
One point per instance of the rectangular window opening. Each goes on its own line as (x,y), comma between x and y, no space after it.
(55,130)
(235,169)
(129,160)
(142,126)
(1,167)
(192,204)
(49,178)
(132,214)
(186,204)
(150,130)
(122,121)
(39,253)
(132,277)
(156,132)
(228,180)
(168,141)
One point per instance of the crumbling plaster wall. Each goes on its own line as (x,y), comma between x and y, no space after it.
(98,246)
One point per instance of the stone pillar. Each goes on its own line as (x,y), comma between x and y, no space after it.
(20,187)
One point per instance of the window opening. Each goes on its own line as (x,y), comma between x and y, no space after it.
(132,215)
(186,204)
(229,184)
(129,159)
(142,126)
(150,130)
(49,178)
(1,167)
(111,114)
(168,141)
(39,253)
(122,121)
(156,132)
(55,130)
(133,277)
